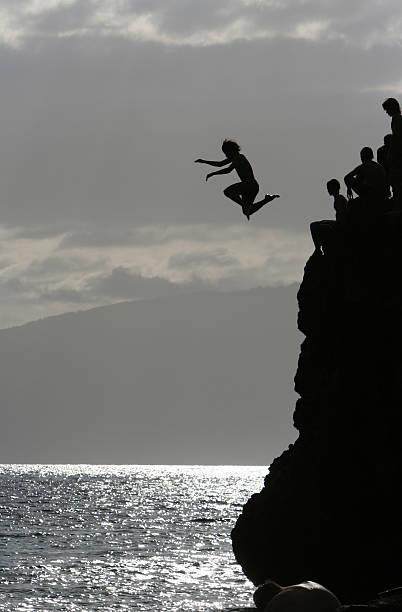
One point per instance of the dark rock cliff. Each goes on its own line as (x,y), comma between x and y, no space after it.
(331,506)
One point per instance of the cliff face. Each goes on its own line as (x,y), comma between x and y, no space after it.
(331,506)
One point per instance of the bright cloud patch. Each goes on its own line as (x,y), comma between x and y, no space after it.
(311,30)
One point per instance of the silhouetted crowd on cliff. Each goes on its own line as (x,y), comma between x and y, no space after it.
(372,188)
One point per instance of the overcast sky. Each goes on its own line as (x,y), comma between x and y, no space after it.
(106,103)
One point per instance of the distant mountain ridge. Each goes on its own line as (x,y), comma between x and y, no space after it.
(194,378)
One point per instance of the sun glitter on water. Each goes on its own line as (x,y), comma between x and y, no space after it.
(107,538)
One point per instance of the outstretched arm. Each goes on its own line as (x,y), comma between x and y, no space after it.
(218,164)
(223,171)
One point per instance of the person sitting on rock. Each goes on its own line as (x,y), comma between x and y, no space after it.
(322,232)
(245,192)
(340,202)
(368,181)
(304,597)
(392,108)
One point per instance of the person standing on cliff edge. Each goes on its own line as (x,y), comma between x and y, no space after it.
(392,108)
(245,192)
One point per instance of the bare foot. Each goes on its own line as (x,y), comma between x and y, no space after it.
(269,198)
(246,212)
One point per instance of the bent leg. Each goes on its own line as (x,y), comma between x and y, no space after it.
(234,193)
(322,233)
(249,193)
(315,228)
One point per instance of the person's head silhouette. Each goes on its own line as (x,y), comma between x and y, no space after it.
(387,139)
(366,154)
(391,107)
(333,187)
(230,148)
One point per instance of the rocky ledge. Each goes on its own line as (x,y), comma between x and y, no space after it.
(331,506)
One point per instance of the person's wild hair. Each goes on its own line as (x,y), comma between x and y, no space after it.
(230,147)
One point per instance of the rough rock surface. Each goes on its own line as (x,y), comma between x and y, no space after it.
(331,507)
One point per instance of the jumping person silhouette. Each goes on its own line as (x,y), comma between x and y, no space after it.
(245,192)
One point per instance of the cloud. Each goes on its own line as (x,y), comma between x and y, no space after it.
(38,278)
(120,283)
(55,266)
(192,23)
(387,89)
(202,259)
(65,296)
(14,285)
(70,267)
(105,105)
(99,136)
(102,238)
(31,232)
(123,283)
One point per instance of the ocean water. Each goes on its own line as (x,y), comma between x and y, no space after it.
(107,538)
